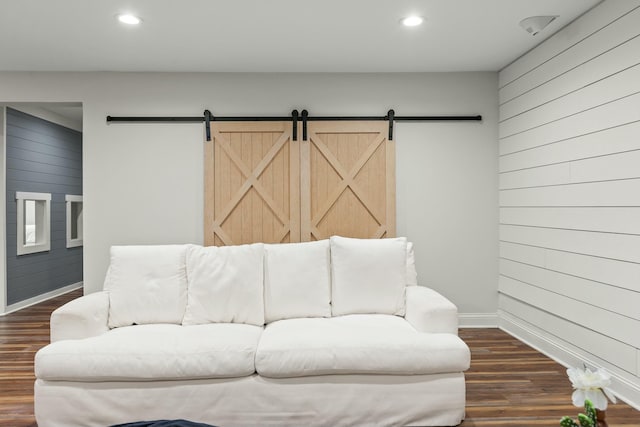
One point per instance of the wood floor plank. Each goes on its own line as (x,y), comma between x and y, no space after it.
(509,383)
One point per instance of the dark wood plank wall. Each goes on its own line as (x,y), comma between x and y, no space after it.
(509,383)
(42,157)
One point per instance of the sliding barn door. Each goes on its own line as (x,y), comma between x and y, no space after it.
(347,181)
(261,186)
(252,184)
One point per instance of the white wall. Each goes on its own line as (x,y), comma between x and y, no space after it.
(569,194)
(143,182)
(445,205)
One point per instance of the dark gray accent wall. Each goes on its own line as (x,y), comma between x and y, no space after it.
(42,157)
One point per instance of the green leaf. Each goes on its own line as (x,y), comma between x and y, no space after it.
(568,422)
(591,412)
(585,421)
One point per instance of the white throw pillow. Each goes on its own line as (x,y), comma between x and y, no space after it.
(412,274)
(368,275)
(297,280)
(225,285)
(146,284)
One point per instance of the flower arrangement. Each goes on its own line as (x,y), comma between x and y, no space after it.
(591,391)
(591,385)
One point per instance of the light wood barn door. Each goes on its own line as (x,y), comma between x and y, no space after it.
(347,181)
(252,184)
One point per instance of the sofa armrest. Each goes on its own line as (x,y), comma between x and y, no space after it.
(83,317)
(429,311)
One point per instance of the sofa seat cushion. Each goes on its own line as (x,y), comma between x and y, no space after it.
(153,352)
(356,344)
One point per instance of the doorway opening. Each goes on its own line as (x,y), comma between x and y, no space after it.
(41,218)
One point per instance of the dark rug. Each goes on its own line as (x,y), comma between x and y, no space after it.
(164,423)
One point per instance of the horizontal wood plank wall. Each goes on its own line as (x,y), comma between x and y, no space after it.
(570,193)
(41,157)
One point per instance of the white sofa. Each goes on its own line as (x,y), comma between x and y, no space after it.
(328,333)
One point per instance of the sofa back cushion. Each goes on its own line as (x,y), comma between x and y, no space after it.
(368,275)
(297,280)
(146,284)
(225,285)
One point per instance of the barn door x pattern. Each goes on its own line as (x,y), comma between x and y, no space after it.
(261,186)
(350,188)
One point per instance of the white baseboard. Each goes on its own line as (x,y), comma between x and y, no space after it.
(40,298)
(568,355)
(478,320)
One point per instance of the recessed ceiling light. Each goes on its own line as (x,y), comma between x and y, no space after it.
(412,21)
(126,18)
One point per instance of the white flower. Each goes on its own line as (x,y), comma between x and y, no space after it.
(591,385)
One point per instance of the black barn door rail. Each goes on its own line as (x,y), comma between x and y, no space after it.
(207,118)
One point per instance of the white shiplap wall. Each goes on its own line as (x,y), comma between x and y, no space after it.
(570,194)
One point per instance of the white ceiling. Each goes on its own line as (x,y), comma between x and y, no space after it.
(272,35)
(68,114)
(72,111)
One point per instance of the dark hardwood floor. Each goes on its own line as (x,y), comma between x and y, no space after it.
(509,383)
(22,334)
